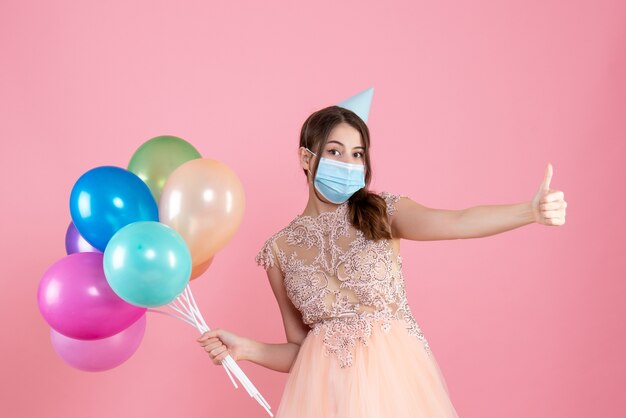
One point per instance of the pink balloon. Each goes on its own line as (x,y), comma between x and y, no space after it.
(76,300)
(102,354)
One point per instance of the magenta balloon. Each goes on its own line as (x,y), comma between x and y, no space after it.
(76,300)
(102,354)
(75,243)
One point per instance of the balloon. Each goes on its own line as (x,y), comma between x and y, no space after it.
(147,263)
(200,268)
(75,243)
(105,199)
(76,300)
(102,354)
(156,158)
(204,201)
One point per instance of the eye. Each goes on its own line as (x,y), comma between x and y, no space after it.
(331,151)
(360,154)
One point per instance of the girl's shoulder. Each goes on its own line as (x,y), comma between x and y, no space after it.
(391,199)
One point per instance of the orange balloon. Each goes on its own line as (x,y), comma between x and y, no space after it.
(204,201)
(198,270)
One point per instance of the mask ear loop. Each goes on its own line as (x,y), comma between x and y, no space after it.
(306,143)
(306,139)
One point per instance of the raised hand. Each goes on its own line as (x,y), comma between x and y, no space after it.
(548,204)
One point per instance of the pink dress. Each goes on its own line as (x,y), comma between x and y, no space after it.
(365,355)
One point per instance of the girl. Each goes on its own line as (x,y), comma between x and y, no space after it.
(353,347)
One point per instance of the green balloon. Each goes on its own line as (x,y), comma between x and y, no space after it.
(156,158)
(147,263)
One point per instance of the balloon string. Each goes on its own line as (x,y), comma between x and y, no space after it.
(191,314)
(170,315)
(185,319)
(228,361)
(202,327)
(187,309)
(175,308)
(195,305)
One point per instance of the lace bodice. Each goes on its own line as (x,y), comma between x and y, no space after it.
(338,278)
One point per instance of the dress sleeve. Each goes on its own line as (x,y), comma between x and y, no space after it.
(266,257)
(391,200)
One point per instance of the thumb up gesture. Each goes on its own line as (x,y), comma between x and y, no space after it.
(548,204)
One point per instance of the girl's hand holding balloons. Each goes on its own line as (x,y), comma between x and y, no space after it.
(218,343)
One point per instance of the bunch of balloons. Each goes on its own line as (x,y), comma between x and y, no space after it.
(138,236)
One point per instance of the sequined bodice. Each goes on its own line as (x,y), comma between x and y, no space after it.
(338,278)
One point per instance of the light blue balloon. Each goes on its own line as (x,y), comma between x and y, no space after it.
(147,263)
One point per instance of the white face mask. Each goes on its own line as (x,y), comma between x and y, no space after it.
(336,180)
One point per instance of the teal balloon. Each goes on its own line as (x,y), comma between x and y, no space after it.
(147,263)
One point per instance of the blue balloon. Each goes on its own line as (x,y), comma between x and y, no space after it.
(105,199)
(147,264)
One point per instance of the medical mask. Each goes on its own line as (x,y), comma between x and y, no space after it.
(336,180)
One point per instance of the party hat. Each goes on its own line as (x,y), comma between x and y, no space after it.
(359,103)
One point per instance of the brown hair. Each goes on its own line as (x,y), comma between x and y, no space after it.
(367,211)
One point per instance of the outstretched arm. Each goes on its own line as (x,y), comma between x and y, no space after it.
(485,220)
(416,222)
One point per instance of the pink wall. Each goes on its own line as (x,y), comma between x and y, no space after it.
(471,101)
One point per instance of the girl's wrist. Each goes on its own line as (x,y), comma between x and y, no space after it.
(248,348)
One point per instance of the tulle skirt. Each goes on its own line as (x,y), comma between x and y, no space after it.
(391,376)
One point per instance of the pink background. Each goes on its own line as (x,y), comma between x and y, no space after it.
(471,101)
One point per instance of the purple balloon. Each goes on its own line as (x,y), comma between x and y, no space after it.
(76,300)
(75,243)
(102,354)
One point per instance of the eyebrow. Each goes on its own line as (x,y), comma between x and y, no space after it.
(337,142)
